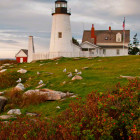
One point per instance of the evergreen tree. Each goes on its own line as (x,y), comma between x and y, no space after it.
(135,40)
(75,41)
(133,48)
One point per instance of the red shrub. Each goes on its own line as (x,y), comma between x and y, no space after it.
(101,116)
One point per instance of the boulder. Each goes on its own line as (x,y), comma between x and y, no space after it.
(31,114)
(63,95)
(7,64)
(30,92)
(6,117)
(51,95)
(3,70)
(1,93)
(70,75)
(129,77)
(84,68)
(14,111)
(74,96)
(69,94)
(3,102)
(22,71)
(40,86)
(58,107)
(1,67)
(54,95)
(20,87)
(77,77)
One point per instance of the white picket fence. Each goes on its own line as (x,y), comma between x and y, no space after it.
(43,56)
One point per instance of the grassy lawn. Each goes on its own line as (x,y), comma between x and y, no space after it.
(102,75)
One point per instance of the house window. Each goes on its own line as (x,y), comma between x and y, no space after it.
(104,51)
(97,51)
(118,37)
(118,52)
(106,38)
(59,34)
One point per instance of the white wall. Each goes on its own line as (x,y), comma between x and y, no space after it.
(113,52)
(86,45)
(21,54)
(61,23)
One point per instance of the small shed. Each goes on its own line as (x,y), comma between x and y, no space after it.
(22,56)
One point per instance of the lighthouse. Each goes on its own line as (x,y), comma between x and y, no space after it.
(61,36)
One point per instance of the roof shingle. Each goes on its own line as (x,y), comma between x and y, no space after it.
(102,34)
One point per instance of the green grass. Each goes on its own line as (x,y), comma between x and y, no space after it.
(102,75)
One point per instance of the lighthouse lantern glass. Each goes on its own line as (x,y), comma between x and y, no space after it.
(57,5)
(63,5)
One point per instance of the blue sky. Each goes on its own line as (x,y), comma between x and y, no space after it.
(22,18)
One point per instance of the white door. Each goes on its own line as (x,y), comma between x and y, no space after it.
(21,60)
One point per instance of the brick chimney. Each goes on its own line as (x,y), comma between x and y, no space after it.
(93,37)
(92,31)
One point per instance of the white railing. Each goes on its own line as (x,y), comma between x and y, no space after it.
(42,56)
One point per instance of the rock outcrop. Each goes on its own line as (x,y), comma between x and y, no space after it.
(32,114)
(51,95)
(6,117)
(14,111)
(77,77)
(2,93)
(129,77)
(3,70)
(22,71)
(20,87)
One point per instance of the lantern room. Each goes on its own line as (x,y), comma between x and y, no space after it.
(61,7)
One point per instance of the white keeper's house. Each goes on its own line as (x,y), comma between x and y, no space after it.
(105,42)
(94,43)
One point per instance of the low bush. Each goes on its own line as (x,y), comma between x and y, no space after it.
(103,116)
(7,61)
(34,99)
(8,79)
(16,98)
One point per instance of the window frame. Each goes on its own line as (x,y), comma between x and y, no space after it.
(104,51)
(59,34)
(118,51)
(119,37)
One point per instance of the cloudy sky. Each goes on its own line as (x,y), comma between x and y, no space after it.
(22,18)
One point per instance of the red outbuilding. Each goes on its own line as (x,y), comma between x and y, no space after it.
(22,56)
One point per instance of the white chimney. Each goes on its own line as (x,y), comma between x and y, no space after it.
(31,49)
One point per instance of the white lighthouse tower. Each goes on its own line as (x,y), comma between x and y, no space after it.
(61,37)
